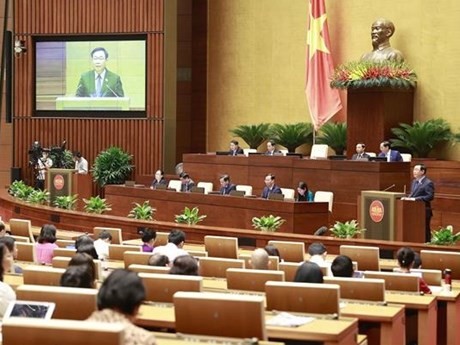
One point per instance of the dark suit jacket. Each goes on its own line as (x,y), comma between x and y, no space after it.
(423,191)
(275,190)
(111,85)
(363,155)
(228,189)
(186,187)
(238,151)
(395,156)
(275,152)
(156,183)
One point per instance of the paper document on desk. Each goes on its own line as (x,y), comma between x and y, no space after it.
(284,319)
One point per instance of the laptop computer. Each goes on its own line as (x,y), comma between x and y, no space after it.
(276,196)
(197,190)
(34,309)
(377,159)
(222,153)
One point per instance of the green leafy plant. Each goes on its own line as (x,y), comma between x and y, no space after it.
(292,135)
(444,236)
(66,202)
(20,190)
(253,135)
(267,223)
(112,166)
(362,74)
(64,160)
(144,211)
(40,197)
(346,230)
(189,216)
(334,135)
(422,137)
(97,205)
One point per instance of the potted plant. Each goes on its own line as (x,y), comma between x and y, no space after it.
(62,160)
(292,135)
(334,135)
(40,197)
(20,190)
(346,230)
(66,202)
(422,137)
(444,236)
(112,166)
(96,205)
(143,212)
(189,216)
(253,135)
(267,223)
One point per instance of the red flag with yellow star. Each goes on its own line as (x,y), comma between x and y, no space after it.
(323,101)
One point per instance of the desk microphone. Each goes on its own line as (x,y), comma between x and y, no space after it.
(388,188)
(321,231)
(107,84)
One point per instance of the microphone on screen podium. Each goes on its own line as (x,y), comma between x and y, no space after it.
(111,90)
(321,231)
(389,187)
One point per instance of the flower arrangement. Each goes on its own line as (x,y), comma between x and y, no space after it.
(366,74)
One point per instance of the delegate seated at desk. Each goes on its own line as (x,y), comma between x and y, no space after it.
(99,82)
(225,185)
(270,187)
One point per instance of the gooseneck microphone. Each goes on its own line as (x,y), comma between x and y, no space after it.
(389,187)
(108,86)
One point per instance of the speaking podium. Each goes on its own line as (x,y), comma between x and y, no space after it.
(92,103)
(386,217)
(63,182)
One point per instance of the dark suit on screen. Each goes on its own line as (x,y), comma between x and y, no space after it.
(227,189)
(267,191)
(395,156)
(111,85)
(423,190)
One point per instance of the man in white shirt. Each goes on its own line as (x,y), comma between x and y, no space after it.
(81,164)
(102,245)
(318,253)
(176,240)
(43,164)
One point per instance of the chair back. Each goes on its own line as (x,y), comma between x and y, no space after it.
(290,251)
(322,196)
(64,252)
(366,257)
(396,281)
(221,246)
(161,287)
(246,152)
(440,260)
(115,232)
(208,186)
(63,262)
(407,157)
(21,227)
(175,184)
(431,277)
(217,267)
(359,289)
(42,275)
(289,269)
(116,251)
(149,269)
(65,243)
(289,193)
(252,280)
(319,151)
(161,239)
(136,257)
(273,261)
(245,188)
(26,251)
(21,238)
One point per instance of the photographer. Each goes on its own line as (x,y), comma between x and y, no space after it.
(43,164)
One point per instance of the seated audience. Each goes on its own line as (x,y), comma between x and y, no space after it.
(342,266)
(86,260)
(390,154)
(85,244)
(318,253)
(406,258)
(7,294)
(360,152)
(303,193)
(3,230)
(309,272)
(270,187)
(271,149)
(259,259)
(159,179)
(173,249)
(225,185)
(273,251)
(159,260)
(102,244)
(235,149)
(10,243)
(46,244)
(148,239)
(185,265)
(186,182)
(77,276)
(119,300)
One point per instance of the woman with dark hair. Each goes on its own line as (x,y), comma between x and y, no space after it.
(10,243)
(159,179)
(46,244)
(7,294)
(87,261)
(78,276)
(85,244)
(118,300)
(303,193)
(148,239)
(406,257)
(185,265)
(309,272)
(273,251)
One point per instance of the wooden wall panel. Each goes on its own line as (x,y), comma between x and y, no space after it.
(143,138)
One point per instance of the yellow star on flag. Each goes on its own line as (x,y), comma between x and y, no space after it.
(315,39)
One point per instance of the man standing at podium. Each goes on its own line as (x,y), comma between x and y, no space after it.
(422,189)
(99,82)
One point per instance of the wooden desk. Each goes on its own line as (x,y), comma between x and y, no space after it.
(182,339)
(425,307)
(329,332)
(390,321)
(227,211)
(448,317)
(344,178)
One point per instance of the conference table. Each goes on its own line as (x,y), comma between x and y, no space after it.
(345,178)
(220,210)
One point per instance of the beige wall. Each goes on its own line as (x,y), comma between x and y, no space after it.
(257,57)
